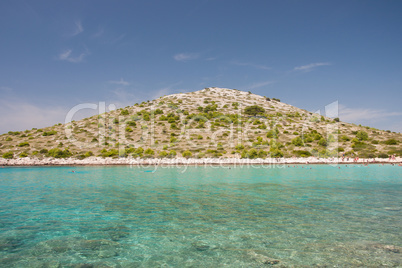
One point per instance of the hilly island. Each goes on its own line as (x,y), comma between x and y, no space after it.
(213,123)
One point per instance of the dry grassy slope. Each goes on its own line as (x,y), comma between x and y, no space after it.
(212,139)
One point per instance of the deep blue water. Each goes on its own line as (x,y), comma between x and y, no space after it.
(201,217)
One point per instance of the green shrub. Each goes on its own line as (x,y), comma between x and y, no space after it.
(23,154)
(9,139)
(129,129)
(23,144)
(362,135)
(210,108)
(8,155)
(131,123)
(382,155)
(322,142)
(149,152)
(158,111)
(109,153)
(58,153)
(163,154)
(391,142)
(254,110)
(187,154)
(273,133)
(88,154)
(43,151)
(275,153)
(172,153)
(297,141)
(302,153)
(239,147)
(124,112)
(49,133)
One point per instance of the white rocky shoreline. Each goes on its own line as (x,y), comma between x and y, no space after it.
(99,161)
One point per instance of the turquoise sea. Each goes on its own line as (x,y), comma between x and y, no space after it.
(122,216)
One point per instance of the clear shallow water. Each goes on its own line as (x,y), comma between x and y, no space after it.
(201,217)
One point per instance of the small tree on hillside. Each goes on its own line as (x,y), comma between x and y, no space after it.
(254,110)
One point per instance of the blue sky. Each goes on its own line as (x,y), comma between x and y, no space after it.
(57,54)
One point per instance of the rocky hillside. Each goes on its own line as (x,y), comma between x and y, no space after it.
(212,122)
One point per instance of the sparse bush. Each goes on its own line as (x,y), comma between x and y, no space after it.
(345,138)
(23,154)
(23,144)
(254,110)
(8,155)
(131,123)
(58,153)
(49,133)
(43,151)
(275,153)
(382,155)
(109,153)
(362,135)
(187,154)
(163,154)
(124,112)
(172,153)
(297,141)
(322,142)
(158,111)
(149,152)
(302,153)
(88,154)
(391,142)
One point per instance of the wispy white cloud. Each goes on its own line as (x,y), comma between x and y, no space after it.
(249,64)
(311,66)
(120,82)
(186,56)
(78,28)
(364,114)
(260,84)
(67,56)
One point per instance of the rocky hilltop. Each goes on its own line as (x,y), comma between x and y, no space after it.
(210,123)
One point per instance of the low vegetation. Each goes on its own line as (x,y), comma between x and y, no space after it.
(208,123)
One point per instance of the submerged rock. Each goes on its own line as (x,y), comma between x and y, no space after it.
(262,258)
(390,248)
(200,246)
